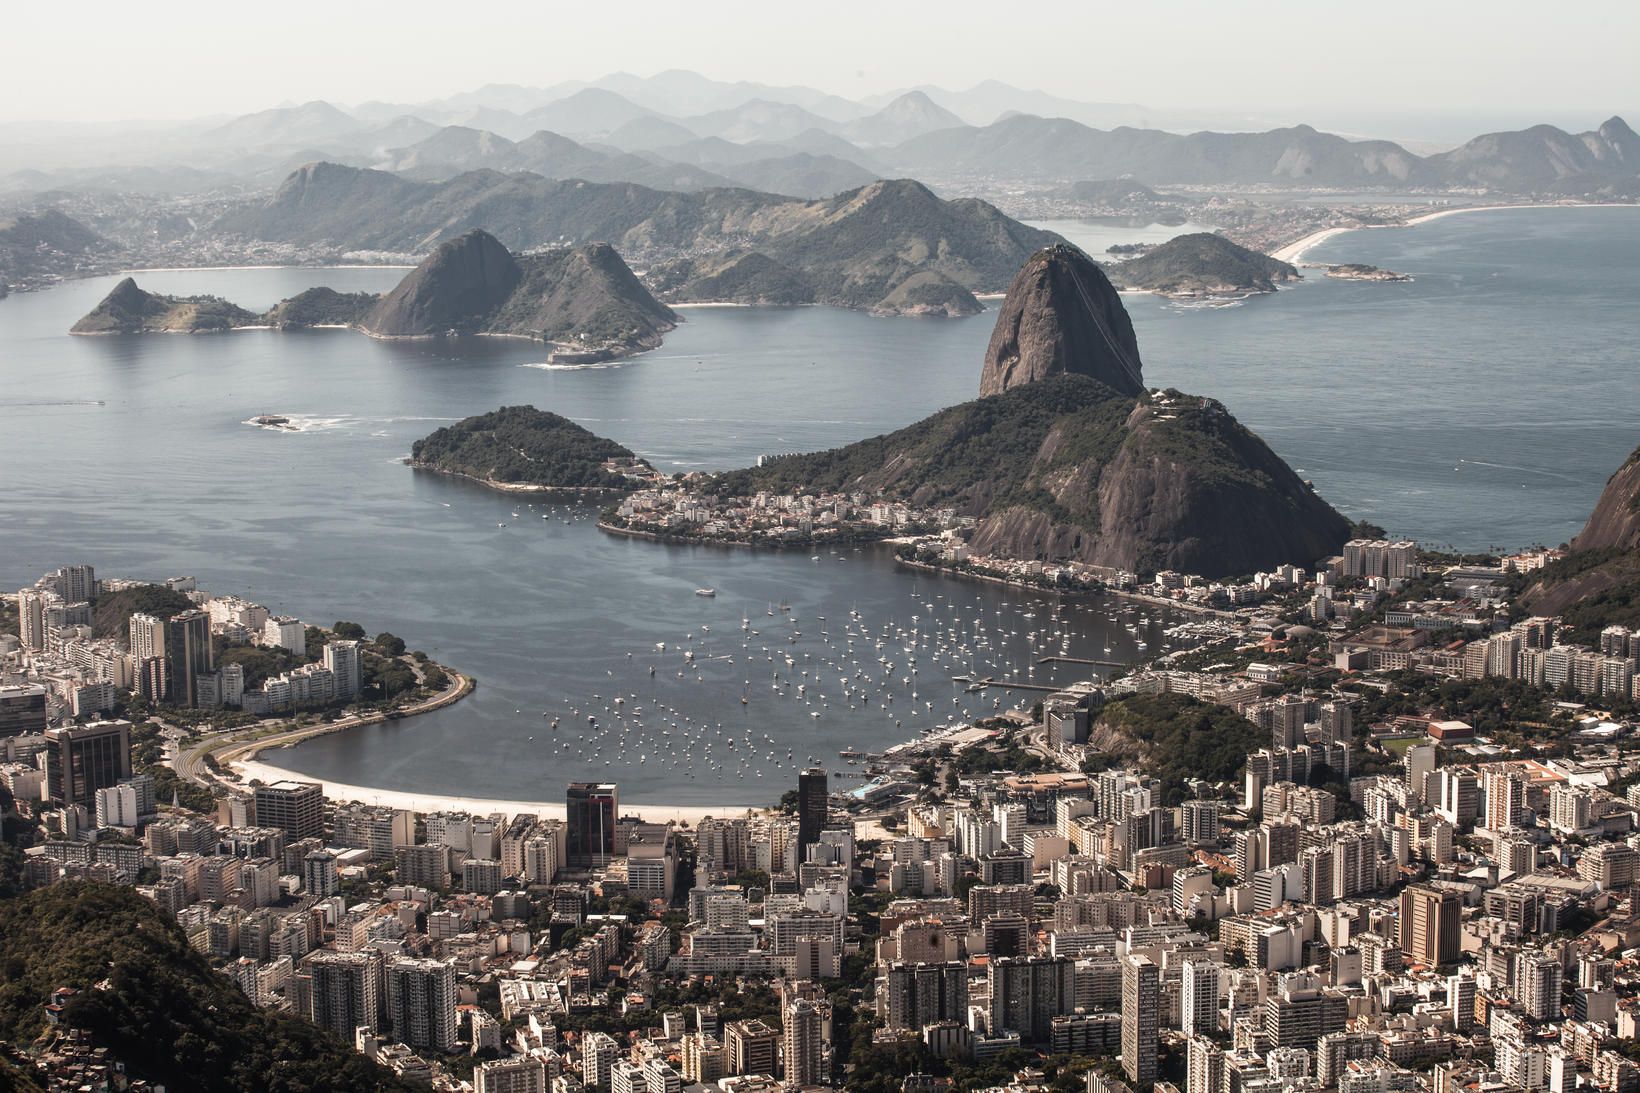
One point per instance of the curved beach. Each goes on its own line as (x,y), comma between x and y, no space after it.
(437,802)
(1295,250)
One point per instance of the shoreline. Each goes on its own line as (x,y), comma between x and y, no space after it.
(441,802)
(584,492)
(216,269)
(1292,252)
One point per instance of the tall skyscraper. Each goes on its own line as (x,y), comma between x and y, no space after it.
(81,759)
(1430,924)
(801,1044)
(346,991)
(188,654)
(421,1002)
(590,837)
(813,808)
(1141,1019)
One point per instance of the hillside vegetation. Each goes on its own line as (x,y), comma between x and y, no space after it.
(1177,738)
(155,1003)
(520,445)
(111,618)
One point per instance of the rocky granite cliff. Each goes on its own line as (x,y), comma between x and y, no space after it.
(1056,462)
(584,300)
(1061,316)
(1598,582)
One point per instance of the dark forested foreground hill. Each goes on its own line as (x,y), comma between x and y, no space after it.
(155,1003)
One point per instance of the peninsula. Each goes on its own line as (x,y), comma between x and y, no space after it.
(582,300)
(520,448)
(1066,458)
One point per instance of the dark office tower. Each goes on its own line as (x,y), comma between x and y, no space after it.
(593,808)
(81,759)
(813,809)
(188,654)
(296,808)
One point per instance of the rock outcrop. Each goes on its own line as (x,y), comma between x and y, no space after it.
(460,284)
(584,300)
(128,309)
(1062,316)
(1598,582)
(1066,457)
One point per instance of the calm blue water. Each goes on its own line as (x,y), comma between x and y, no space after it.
(1484,403)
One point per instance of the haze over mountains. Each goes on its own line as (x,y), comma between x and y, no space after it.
(891,247)
(679,130)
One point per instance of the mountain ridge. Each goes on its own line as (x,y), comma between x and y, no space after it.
(856,249)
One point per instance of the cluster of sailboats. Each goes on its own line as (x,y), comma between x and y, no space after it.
(672,712)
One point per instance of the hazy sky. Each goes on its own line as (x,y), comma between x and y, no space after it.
(98,60)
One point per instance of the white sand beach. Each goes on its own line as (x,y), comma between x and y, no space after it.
(435,802)
(1293,251)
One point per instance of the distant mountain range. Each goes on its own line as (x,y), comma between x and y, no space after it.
(890,247)
(624,128)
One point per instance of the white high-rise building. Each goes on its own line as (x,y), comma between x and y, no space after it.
(342,657)
(1199,998)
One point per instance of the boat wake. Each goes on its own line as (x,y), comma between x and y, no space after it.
(553,366)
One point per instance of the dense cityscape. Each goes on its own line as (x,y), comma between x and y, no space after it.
(641,549)
(1375,835)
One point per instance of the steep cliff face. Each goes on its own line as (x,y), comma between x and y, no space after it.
(1186,488)
(459,285)
(1062,316)
(1615,521)
(1598,582)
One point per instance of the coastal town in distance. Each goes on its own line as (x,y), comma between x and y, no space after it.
(1093,549)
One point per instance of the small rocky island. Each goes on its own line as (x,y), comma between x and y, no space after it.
(1201,264)
(522,449)
(1355,271)
(582,300)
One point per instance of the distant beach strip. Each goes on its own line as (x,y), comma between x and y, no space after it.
(1295,250)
